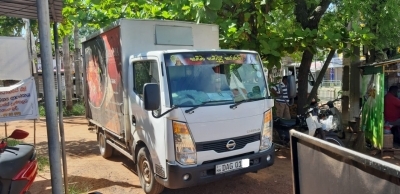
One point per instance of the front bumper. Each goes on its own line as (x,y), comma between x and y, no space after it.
(205,173)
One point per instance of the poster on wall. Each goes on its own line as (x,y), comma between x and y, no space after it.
(372,122)
(19,101)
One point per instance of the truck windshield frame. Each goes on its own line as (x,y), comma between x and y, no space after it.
(209,78)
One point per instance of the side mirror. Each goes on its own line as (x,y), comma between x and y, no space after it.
(151,96)
(19,134)
(291,86)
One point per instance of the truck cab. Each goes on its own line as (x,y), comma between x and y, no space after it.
(294,70)
(204,115)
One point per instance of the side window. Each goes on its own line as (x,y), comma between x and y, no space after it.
(144,72)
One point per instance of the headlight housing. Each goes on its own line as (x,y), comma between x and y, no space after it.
(185,150)
(266,132)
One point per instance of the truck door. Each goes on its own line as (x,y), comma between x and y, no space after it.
(144,126)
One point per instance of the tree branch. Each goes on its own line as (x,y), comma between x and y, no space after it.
(309,18)
(317,14)
(300,11)
(320,76)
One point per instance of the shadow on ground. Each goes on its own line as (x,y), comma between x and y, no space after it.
(80,183)
(68,119)
(79,148)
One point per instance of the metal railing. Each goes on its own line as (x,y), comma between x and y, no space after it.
(331,83)
(326,94)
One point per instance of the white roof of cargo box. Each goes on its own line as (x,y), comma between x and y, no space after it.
(139,36)
(206,50)
(119,21)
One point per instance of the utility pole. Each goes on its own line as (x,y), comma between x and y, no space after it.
(50,100)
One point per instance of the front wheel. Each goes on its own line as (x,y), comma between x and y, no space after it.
(146,173)
(334,139)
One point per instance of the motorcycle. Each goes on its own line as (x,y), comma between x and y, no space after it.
(18,165)
(319,122)
(333,112)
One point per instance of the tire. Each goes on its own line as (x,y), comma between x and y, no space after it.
(334,139)
(146,173)
(106,150)
(277,140)
(275,136)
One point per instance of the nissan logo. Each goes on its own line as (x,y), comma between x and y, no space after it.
(231,145)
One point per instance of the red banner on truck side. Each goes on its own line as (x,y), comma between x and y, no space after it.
(104,91)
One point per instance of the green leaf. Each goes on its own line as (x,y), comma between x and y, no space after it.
(299,32)
(275,53)
(273,44)
(165,15)
(263,2)
(355,26)
(211,15)
(96,2)
(247,16)
(214,4)
(236,1)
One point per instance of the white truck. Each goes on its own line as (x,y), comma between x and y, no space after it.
(163,94)
(293,69)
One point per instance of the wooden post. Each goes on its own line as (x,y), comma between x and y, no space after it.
(355,80)
(5,129)
(345,94)
(346,84)
(34,132)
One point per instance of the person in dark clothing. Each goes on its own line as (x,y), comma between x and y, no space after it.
(392,107)
(392,112)
(282,100)
(189,81)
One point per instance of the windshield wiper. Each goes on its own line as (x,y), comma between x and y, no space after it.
(166,112)
(234,106)
(190,111)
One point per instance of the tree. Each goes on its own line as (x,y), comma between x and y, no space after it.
(78,64)
(274,28)
(10,26)
(67,74)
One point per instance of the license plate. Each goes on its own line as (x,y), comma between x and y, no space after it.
(232,166)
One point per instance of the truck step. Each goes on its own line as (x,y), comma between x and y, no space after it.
(122,151)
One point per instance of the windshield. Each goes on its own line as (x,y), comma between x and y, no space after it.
(214,77)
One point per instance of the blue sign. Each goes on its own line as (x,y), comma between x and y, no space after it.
(332,73)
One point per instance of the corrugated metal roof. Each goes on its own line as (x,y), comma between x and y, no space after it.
(382,63)
(28,9)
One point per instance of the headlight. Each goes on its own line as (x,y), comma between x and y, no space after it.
(185,151)
(266,132)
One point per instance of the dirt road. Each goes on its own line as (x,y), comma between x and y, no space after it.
(89,172)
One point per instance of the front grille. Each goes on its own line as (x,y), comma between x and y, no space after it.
(219,146)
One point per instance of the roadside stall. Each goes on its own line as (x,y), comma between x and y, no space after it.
(375,82)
